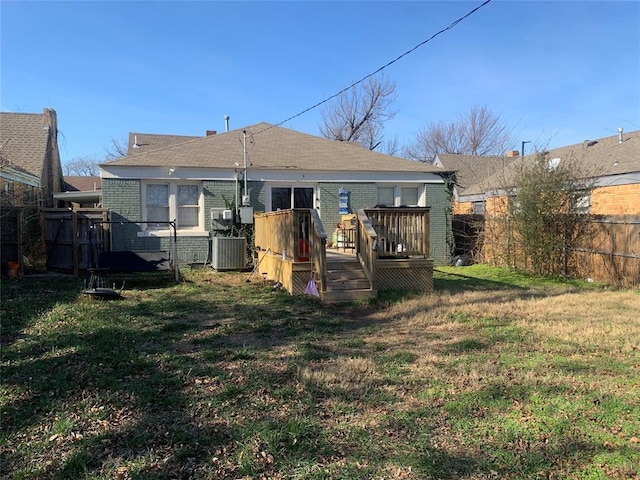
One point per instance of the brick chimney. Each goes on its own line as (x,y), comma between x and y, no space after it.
(513,153)
(211,132)
(51,179)
(50,120)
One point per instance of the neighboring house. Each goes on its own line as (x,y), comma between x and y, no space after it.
(81,192)
(30,175)
(29,141)
(613,163)
(611,251)
(19,209)
(265,167)
(18,188)
(471,172)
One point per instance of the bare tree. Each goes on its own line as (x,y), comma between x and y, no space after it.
(477,132)
(82,167)
(88,166)
(117,148)
(358,114)
(390,146)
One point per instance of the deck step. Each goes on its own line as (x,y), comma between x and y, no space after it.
(355,284)
(346,281)
(340,275)
(335,296)
(344,265)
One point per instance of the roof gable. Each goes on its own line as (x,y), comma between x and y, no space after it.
(472,169)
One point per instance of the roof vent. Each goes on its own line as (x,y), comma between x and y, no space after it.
(619,134)
(211,132)
(591,143)
(135,142)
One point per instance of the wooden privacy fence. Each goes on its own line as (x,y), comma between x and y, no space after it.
(611,252)
(608,253)
(67,240)
(20,236)
(11,236)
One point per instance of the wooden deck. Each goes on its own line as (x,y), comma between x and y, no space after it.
(293,248)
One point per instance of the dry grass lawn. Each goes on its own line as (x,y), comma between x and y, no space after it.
(221,378)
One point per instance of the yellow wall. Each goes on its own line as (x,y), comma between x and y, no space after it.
(616,200)
(497,206)
(462,208)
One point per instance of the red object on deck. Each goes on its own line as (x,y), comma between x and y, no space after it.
(303,250)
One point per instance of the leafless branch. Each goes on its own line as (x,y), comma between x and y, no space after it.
(359,114)
(117,148)
(477,132)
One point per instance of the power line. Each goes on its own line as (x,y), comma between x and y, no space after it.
(452,25)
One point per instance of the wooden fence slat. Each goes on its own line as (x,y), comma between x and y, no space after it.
(66,237)
(610,253)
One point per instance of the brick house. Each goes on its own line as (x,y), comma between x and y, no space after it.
(30,176)
(29,141)
(611,164)
(471,171)
(266,168)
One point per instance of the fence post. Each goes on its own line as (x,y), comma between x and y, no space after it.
(20,239)
(74,242)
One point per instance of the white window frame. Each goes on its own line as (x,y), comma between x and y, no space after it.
(397,193)
(581,202)
(173,208)
(479,207)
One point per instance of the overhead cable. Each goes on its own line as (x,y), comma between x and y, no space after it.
(471,12)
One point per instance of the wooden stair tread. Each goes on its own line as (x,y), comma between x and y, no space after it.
(346,281)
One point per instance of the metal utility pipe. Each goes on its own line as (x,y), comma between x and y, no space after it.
(244,154)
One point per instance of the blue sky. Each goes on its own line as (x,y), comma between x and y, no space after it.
(557,72)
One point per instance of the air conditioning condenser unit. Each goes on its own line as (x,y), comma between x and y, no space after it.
(228,253)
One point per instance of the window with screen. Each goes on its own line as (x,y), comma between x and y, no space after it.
(409,196)
(179,201)
(386,196)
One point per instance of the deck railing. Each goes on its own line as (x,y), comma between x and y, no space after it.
(317,245)
(401,231)
(294,234)
(295,239)
(367,240)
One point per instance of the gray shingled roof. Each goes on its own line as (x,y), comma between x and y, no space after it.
(152,141)
(77,183)
(23,140)
(472,169)
(603,157)
(272,148)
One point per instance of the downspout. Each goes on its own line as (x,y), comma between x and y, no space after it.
(245,203)
(237,205)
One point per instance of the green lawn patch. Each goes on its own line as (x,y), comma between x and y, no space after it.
(495,375)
